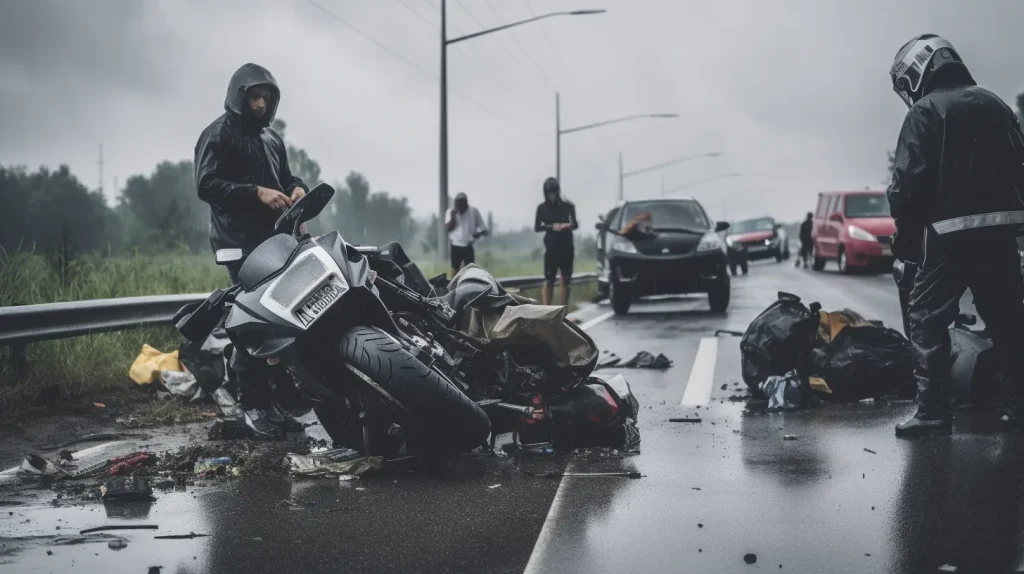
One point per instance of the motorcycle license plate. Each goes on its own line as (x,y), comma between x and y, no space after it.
(320,301)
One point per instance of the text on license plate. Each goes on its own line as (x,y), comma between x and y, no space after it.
(318,302)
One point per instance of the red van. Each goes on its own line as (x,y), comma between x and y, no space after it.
(853,228)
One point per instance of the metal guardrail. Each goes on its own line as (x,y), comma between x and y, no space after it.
(25,324)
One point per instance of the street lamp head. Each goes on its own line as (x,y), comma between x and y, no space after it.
(586,12)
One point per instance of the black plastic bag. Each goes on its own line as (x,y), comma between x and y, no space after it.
(863,362)
(778,341)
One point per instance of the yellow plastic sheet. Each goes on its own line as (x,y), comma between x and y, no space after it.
(146,369)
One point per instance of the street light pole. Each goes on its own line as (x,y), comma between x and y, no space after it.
(558,137)
(442,233)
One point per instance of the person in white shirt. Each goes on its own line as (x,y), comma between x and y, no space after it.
(465,225)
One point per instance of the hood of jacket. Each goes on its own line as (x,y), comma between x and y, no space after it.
(551,184)
(235,102)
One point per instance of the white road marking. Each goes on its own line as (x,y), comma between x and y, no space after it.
(597,320)
(702,375)
(547,531)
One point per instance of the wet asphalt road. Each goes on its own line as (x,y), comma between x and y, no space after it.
(711,493)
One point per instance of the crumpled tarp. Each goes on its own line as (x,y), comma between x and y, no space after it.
(863,361)
(326,464)
(639,360)
(150,363)
(532,325)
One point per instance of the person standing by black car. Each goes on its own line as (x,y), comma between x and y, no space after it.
(806,241)
(956,198)
(242,172)
(556,218)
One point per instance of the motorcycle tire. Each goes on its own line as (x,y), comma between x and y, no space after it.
(447,420)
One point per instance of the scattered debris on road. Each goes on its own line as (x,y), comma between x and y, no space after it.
(640,360)
(947,568)
(694,488)
(493,486)
(750,558)
(870,451)
(783,392)
(685,420)
(120,527)
(126,489)
(631,474)
(332,463)
(188,536)
(117,544)
(789,437)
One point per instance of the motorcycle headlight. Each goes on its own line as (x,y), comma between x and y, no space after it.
(709,242)
(858,233)
(623,245)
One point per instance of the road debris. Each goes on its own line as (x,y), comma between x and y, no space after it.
(631,475)
(332,463)
(685,420)
(87,438)
(784,393)
(700,525)
(640,360)
(947,568)
(129,463)
(117,544)
(750,558)
(694,488)
(35,466)
(493,486)
(867,401)
(120,527)
(188,536)
(127,489)
(789,437)
(869,450)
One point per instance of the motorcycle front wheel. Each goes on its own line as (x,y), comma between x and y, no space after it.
(444,419)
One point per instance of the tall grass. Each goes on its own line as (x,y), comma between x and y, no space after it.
(83,365)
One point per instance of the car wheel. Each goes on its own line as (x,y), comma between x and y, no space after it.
(718,296)
(819,262)
(844,262)
(621,298)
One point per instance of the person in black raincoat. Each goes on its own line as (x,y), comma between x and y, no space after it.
(242,172)
(556,219)
(956,196)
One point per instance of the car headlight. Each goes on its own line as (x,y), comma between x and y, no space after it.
(709,242)
(858,233)
(623,245)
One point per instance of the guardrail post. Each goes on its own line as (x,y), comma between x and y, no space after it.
(18,360)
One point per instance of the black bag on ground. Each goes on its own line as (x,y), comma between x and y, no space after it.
(866,361)
(778,340)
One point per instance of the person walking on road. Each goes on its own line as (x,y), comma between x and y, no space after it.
(465,225)
(556,218)
(956,198)
(806,241)
(242,172)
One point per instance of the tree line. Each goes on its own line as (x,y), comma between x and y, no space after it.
(51,210)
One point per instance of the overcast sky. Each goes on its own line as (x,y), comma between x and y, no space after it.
(794,93)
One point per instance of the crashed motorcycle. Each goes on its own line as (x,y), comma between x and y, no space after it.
(526,365)
(310,304)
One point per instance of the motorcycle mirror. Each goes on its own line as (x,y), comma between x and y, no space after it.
(305,209)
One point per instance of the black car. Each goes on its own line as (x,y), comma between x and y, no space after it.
(754,239)
(661,247)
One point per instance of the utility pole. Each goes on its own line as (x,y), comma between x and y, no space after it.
(100,188)
(116,189)
(442,234)
(622,178)
(558,139)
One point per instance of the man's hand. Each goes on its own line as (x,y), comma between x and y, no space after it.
(297,193)
(273,199)
(561,226)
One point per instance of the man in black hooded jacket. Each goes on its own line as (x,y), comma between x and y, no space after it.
(556,218)
(956,196)
(242,172)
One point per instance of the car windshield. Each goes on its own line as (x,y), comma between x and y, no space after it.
(668,214)
(753,225)
(874,205)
